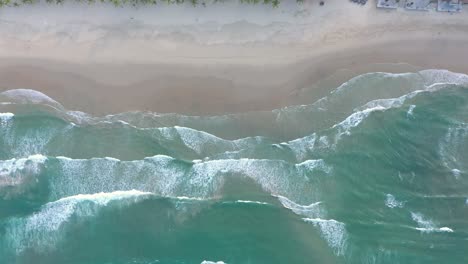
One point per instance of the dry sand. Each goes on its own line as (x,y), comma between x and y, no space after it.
(216,60)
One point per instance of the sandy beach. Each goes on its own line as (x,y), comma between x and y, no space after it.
(218,59)
(233,133)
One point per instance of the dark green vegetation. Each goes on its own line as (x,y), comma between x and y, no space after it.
(274,3)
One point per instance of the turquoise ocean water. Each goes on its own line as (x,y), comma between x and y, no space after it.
(376,172)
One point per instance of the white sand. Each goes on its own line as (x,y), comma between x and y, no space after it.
(222,58)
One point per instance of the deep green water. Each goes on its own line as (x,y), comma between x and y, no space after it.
(376,172)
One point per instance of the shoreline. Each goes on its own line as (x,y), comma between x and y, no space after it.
(105,88)
(256,65)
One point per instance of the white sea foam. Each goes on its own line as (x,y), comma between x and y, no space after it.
(168,177)
(441,196)
(198,141)
(456,173)
(435,76)
(186,198)
(5,119)
(55,213)
(63,158)
(315,164)
(153,174)
(362,112)
(355,119)
(311,210)
(80,178)
(323,140)
(446,229)
(431,230)
(410,110)
(392,202)
(426,225)
(303,146)
(212,262)
(103,198)
(6,116)
(79,117)
(28,141)
(355,80)
(158,175)
(452,148)
(202,143)
(428,78)
(44,229)
(319,220)
(112,159)
(28,96)
(251,202)
(37,158)
(334,232)
(274,176)
(421,220)
(383,104)
(14,172)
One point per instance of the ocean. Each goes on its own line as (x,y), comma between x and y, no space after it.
(375,172)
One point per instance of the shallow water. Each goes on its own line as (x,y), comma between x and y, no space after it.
(376,172)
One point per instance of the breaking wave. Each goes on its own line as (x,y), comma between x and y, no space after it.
(376,172)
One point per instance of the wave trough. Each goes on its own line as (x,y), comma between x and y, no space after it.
(375,172)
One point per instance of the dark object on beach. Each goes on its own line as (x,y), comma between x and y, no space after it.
(322,3)
(361,2)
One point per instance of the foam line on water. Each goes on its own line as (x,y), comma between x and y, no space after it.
(334,232)
(6,116)
(431,230)
(432,76)
(356,118)
(427,77)
(103,198)
(246,202)
(43,229)
(199,140)
(162,175)
(311,210)
(210,175)
(186,198)
(302,146)
(426,225)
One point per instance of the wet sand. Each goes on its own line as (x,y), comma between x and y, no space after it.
(173,72)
